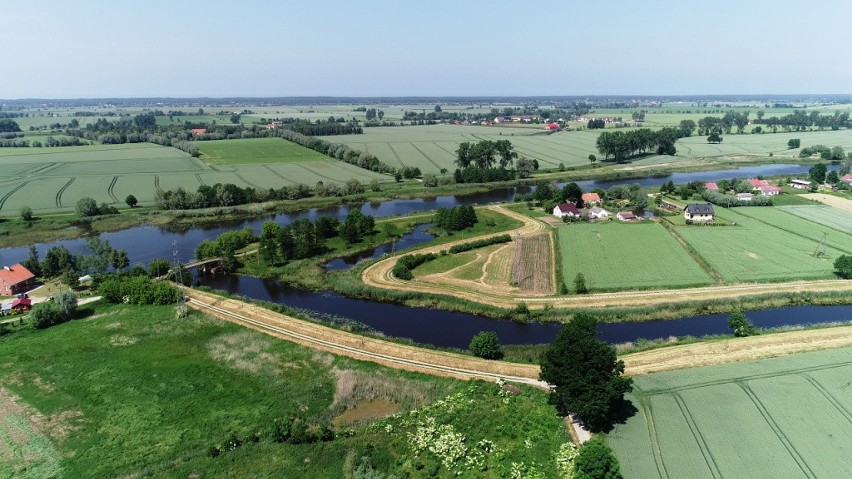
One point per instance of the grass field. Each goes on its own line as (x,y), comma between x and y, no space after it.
(532,265)
(614,256)
(53,179)
(834,218)
(132,392)
(433,147)
(256,150)
(754,250)
(780,417)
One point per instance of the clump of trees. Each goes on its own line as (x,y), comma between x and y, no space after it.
(620,146)
(740,325)
(833,154)
(486,345)
(404,265)
(843,266)
(87,207)
(485,161)
(51,313)
(138,290)
(585,375)
(456,218)
(595,460)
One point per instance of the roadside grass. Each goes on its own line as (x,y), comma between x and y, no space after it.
(768,418)
(132,391)
(256,150)
(617,256)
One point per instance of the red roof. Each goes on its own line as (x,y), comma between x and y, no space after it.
(15,274)
(590,197)
(768,189)
(846,178)
(711,186)
(199,131)
(757,183)
(552,126)
(568,208)
(22,302)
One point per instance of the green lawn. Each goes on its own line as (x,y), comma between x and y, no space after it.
(615,256)
(132,392)
(781,417)
(256,150)
(754,250)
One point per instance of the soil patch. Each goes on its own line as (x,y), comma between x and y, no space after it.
(366,410)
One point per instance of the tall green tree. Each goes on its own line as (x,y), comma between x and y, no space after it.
(817,173)
(32,263)
(595,460)
(585,375)
(486,344)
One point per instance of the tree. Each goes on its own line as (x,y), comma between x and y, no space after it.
(525,167)
(794,143)
(686,127)
(26,213)
(66,301)
(87,206)
(438,109)
(593,159)
(32,263)
(56,260)
(832,177)
(430,180)
(843,266)
(714,137)
(580,284)
(817,173)
(585,374)
(131,201)
(485,344)
(158,267)
(235,118)
(47,314)
(118,259)
(740,325)
(375,185)
(596,460)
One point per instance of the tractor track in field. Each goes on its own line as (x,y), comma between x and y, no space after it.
(316,173)
(396,155)
(699,438)
(198,177)
(157,186)
(276,173)
(111,187)
(246,181)
(829,397)
(437,167)
(12,192)
(62,190)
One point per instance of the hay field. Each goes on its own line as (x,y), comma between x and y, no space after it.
(618,256)
(255,150)
(780,417)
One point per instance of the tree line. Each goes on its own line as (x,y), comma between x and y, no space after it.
(619,145)
(485,161)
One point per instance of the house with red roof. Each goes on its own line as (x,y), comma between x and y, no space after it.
(15,279)
(755,183)
(591,198)
(551,126)
(711,186)
(769,190)
(22,305)
(199,131)
(847,179)
(566,209)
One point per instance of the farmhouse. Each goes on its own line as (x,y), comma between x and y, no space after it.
(199,131)
(626,216)
(769,190)
(756,184)
(801,184)
(745,196)
(711,186)
(15,279)
(566,209)
(702,213)
(597,213)
(847,179)
(551,126)
(591,198)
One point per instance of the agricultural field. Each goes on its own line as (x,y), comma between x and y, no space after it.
(779,417)
(53,179)
(618,256)
(835,218)
(532,265)
(432,148)
(754,250)
(130,392)
(486,269)
(810,221)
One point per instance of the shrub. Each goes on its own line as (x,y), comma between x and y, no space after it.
(459,248)
(596,461)
(45,315)
(486,344)
(740,325)
(26,213)
(138,290)
(843,266)
(87,207)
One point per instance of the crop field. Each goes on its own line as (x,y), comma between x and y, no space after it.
(53,179)
(757,251)
(809,221)
(617,256)
(532,265)
(485,269)
(255,150)
(779,417)
(831,217)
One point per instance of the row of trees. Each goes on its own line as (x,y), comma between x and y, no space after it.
(58,261)
(620,145)
(456,218)
(8,125)
(341,152)
(304,238)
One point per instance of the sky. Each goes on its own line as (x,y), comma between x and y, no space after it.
(190,48)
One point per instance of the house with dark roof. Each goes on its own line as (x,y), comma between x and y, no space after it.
(566,209)
(627,216)
(698,213)
(15,279)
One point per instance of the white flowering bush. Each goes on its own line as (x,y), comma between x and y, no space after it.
(565,460)
(521,470)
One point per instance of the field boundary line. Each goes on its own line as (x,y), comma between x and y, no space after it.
(696,434)
(110,191)
(198,177)
(834,402)
(316,173)
(451,153)
(425,156)
(246,181)
(654,437)
(694,254)
(12,192)
(276,173)
(777,430)
(395,154)
(62,190)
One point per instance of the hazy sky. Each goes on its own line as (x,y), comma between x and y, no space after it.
(122,48)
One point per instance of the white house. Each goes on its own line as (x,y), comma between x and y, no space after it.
(626,216)
(699,213)
(745,196)
(566,209)
(800,184)
(597,213)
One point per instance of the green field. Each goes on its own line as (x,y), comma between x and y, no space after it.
(132,392)
(754,250)
(780,417)
(834,218)
(256,150)
(615,256)
(53,179)
(433,147)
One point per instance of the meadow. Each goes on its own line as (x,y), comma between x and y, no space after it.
(256,150)
(755,250)
(780,417)
(617,256)
(132,392)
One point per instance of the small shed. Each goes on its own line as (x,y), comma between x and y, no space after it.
(22,304)
(626,216)
(744,196)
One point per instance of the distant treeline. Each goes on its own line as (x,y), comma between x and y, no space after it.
(341,152)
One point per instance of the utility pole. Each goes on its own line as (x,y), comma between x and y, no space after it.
(820,246)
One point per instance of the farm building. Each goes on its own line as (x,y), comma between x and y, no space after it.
(769,190)
(22,305)
(755,183)
(566,209)
(597,213)
(800,184)
(847,179)
(15,279)
(745,196)
(591,198)
(551,126)
(199,131)
(702,213)
(626,216)
(711,186)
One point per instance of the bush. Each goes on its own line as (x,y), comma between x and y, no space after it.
(459,248)
(843,266)
(45,315)
(405,264)
(740,325)
(87,207)
(485,344)
(596,461)
(138,290)
(26,213)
